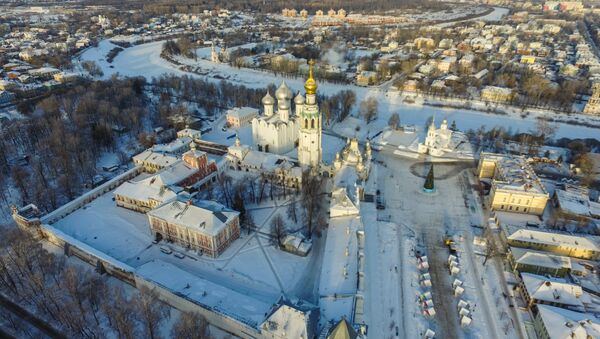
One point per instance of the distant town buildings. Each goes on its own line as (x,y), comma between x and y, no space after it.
(563,6)
(496,94)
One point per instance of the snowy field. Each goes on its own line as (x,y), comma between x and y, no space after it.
(145,60)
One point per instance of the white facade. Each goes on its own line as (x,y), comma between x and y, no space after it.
(276,132)
(445,142)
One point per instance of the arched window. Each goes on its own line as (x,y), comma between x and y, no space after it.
(312,123)
(305,123)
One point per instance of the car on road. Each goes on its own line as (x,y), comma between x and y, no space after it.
(179,255)
(166,250)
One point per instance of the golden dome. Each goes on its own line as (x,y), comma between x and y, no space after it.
(310,85)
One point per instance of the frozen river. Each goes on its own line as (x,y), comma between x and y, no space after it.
(144,60)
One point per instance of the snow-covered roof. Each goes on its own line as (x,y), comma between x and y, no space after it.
(554,239)
(159,159)
(577,202)
(288,321)
(152,188)
(174,146)
(242,112)
(206,217)
(537,258)
(545,289)
(175,173)
(562,324)
(513,172)
(189,132)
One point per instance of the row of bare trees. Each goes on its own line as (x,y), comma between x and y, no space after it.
(52,153)
(79,302)
(268,186)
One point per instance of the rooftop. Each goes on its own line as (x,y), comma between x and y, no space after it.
(206,217)
(174,146)
(553,290)
(240,306)
(561,323)
(555,239)
(240,112)
(157,158)
(538,258)
(513,172)
(576,201)
(153,188)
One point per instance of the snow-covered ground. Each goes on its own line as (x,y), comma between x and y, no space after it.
(428,217)
(145,60)
(339,272)
(251,266)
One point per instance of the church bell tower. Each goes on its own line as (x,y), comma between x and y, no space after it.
(309,143)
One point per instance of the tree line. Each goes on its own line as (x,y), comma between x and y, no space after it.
(78,302)
(52,152)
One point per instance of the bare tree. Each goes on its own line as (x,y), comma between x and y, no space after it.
(394,121)
(587,168)
(368,109)
(545,130)
(311,201)
(151,310)
(278,228)
(122,317)
(347,99)
(291,211)
(190,325)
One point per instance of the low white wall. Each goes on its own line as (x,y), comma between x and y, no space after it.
(182,303)
(88,197)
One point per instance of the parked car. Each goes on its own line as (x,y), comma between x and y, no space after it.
(166,250)
(179,255)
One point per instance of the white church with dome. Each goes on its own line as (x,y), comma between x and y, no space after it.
(445,142)
(276,131)
(280,131)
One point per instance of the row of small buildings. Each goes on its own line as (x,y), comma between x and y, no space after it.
(556,271)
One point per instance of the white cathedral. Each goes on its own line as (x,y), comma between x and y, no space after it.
(280,132)
(445,142)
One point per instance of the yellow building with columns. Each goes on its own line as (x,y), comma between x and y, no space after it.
(514,185)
